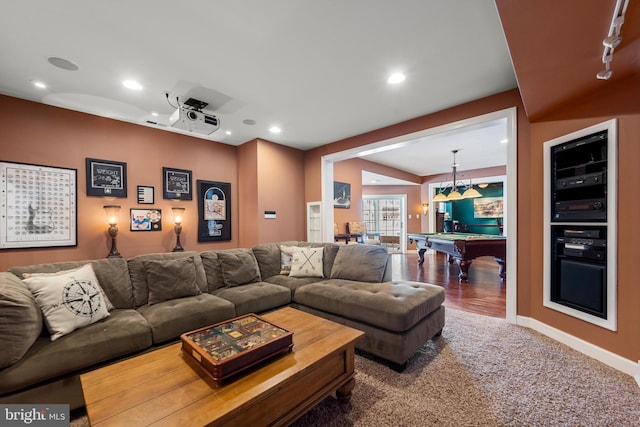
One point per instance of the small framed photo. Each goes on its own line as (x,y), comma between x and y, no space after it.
(145,195)
(146,220)
(176,184)
(106,178)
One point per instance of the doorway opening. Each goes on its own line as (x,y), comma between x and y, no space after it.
(510,114)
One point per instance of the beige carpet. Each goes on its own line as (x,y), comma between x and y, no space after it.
(484,372)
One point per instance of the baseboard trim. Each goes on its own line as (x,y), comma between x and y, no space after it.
(605,356)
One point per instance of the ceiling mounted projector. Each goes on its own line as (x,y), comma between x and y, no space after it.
(194,121)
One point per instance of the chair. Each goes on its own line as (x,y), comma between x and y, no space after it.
(337,236)
(356,229)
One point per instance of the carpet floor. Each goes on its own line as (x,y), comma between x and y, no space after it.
(483,371)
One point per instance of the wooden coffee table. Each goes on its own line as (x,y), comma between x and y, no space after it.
(164,388)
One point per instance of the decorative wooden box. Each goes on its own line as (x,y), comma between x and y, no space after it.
(228,347)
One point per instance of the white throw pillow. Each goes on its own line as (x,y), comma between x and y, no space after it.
(306,262)
(107,302)
(68,301)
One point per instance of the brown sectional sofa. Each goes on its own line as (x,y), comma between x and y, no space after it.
(156,297)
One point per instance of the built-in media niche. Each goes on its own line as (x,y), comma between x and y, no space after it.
(580,232)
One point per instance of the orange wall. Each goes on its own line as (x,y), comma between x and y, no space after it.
(280,188)
(248,197)
(39,134)
(350,171)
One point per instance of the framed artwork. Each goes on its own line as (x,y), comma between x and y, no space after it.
(146,219)
(176,184)
(214,211)
(341,195)
(145,195)
(488,207)
(106,178)
(39,206)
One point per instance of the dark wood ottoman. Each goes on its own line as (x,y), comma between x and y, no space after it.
(397,317)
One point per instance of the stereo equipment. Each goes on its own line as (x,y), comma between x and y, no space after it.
(580,209)
(597,178)
(576,247)
(583,287)
(576,232)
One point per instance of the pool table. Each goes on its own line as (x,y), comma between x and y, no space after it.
(464,247)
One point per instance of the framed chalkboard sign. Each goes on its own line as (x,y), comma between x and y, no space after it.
(176,184)
(106,178)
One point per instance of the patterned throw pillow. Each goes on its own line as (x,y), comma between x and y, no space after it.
(107,302)
(68,301)
(286,253)
(306,262)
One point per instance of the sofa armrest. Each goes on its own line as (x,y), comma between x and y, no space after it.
(388,271)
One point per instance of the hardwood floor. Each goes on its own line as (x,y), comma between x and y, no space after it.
(484,293)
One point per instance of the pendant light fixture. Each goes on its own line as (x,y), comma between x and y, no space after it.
(454,194)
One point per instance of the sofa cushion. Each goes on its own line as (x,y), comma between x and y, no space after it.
(169,279)
(171,318)
(291,283)
(138,273)
(124,332)
(68,301)
(394,306)
(363,263)
(255,297)
(20,319)
(307,262)
(212,270)
(239,267)
(112,274)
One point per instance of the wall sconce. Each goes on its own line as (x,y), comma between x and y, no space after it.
(425,208)
(113,212)
(178,215)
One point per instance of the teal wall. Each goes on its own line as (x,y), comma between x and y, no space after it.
(462,211)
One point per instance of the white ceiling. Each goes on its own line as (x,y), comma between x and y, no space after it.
(479,146)
(317,69)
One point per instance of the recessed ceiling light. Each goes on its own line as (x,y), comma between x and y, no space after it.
(130,84)
(228,132)
(39,84)
(155,114)
(275,129)
(504,141)
(396,78)
(62,63)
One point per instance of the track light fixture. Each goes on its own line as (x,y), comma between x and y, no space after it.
(613,39)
